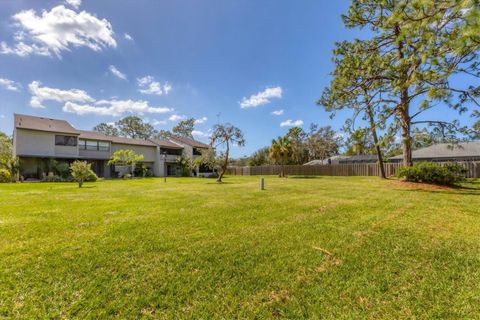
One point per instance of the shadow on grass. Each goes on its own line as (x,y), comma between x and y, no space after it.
(304,177)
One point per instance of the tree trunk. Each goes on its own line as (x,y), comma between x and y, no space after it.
(405,123)
(373,127)
(406,145)
(403,108)
(225,164)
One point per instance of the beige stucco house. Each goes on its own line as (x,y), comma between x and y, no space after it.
(37,139)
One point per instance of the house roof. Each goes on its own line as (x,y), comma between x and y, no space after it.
(445,150)
(190,142)
(360,157)
(43,124)
(166,144)
(322,162)
(93,135)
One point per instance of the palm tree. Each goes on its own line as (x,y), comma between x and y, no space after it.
(280,151)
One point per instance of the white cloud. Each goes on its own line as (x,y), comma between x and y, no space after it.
(117,73)
(114,107)
(277,112)
(148,85)
(2,116)
(58,30)
(201,120)
(156,122)
(291,123)
(79,102)
(127,37)
(176,117)
(201,134)
(74,3)
(10,84)
(261,98)
(40,94)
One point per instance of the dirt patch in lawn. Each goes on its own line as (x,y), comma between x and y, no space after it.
(419,186)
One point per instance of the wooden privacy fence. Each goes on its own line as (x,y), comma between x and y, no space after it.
(357,169)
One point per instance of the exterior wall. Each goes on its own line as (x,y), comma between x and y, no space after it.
(92,154)
(149,153)
(64,151)
(34,143)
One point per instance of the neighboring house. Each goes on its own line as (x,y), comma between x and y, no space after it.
(462,151)
(331,160)
(193,149)
(38,139)
(362,158)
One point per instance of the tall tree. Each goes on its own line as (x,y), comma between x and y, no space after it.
(299,152)
(108,129)
(163,134)
(423,45)
(280,152)
(126,157)
(259,157)
(135,127)
(322,142)
(356,87)
(7,160)
(359,142)
(184,128)
(223,136)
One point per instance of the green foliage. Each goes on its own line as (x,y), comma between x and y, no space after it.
(406,67)
(141,170)
(125,157)
(7,160)
(223,135)
(135,127)
(5,176)
(360,141)
(81,172)
(53,178)
(108,129)
(259,157)
(63,170)
(184,128)
(429,172)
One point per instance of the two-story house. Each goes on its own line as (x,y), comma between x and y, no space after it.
(38,139)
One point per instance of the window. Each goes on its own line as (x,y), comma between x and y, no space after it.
(197,152)
(69,141)
(94,145)
(103,146)
(91,145)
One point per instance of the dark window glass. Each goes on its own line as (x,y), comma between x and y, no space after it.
(103,146)
(197,152)
(69,141)
(92,145)
(82,144)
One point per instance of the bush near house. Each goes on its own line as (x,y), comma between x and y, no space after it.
(429,172)
(5,176)
(82,172)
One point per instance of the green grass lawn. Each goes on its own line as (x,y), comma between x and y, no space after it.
(327,247)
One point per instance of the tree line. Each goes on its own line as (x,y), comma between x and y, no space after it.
(407,66)
(136,128)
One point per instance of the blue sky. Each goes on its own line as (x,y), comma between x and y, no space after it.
(224,60)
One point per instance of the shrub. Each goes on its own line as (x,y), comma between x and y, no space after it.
(52,178)
(126,176)
(433,173)
(81,172)
(5,176)
(141,170)
(63,170)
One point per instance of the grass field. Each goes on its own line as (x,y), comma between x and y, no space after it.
(327,247)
